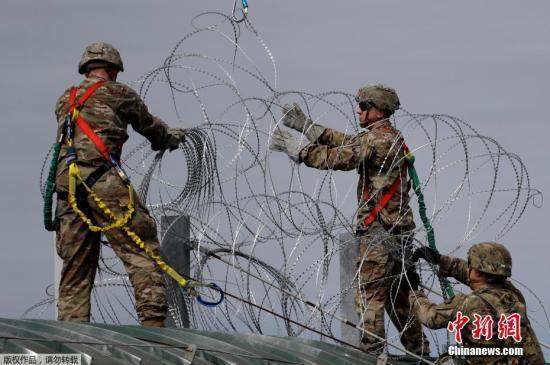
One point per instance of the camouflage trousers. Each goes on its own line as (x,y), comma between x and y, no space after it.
(383,286)
(80,248)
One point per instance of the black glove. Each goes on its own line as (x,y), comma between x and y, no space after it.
(427,253)
(414,279)
(176,136)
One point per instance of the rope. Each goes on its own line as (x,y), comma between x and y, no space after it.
(418,357)
(49,223)
(308,303)
(444,282)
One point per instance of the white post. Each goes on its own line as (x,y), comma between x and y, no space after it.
(349,252)
(176,248)
(57,267)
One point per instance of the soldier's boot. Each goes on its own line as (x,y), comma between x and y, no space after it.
(153,322)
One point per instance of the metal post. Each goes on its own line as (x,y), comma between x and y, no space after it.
(175,248)
(57,267)
(349,251)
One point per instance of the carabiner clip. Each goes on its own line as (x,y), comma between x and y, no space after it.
(214,303)
(244,11)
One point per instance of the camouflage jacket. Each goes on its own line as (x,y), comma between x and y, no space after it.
(108,111)
(377,155)
(494,301)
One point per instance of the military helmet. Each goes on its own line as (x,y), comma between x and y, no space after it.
(100,51)
(490,258)
(381,96)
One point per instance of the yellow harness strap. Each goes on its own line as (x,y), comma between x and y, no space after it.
(117,222)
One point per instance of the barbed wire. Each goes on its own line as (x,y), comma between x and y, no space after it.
(272,231)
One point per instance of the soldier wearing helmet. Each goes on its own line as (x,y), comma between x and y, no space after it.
(108,107)
(96,55)
(487,273)
(383,229)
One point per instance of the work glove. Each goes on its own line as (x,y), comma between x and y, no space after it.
(414,279)
(282,141)
(175,137)
(294,117)
(428,254)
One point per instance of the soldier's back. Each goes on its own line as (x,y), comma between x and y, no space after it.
(107,111)
(504,306)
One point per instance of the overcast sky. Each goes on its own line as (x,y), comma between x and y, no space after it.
(484,62)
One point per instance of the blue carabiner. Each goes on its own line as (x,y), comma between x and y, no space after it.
(215,303)
(244,11)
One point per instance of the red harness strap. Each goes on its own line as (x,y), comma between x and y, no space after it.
(78,104)
(81,122)
(381,204)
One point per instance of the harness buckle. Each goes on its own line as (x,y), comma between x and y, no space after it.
(120,172)
(71,155)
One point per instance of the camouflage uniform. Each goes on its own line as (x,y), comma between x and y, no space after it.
(492,300)
(108,111)
(378,156)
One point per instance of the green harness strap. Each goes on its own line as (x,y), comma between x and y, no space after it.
(49,223)
(445,284)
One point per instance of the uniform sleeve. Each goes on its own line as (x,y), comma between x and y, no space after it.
(431,315)
(61,108)
(334,138)
(508,285)
(343,157)
(454,267)
(135,112)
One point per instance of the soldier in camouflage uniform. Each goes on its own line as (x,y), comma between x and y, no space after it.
(108,111)
(486,272)
(385,231)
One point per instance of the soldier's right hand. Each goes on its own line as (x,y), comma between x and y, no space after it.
(428,254)
(282,141)
(177,136)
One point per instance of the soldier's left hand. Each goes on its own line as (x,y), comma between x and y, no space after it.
(294,117)
(427,253)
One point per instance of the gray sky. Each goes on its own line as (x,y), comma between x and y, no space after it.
(484,62)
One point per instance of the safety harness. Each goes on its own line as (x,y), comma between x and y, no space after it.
(390,193)
(72,120)
(381,204)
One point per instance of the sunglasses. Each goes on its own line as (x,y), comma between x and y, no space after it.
(365,105)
